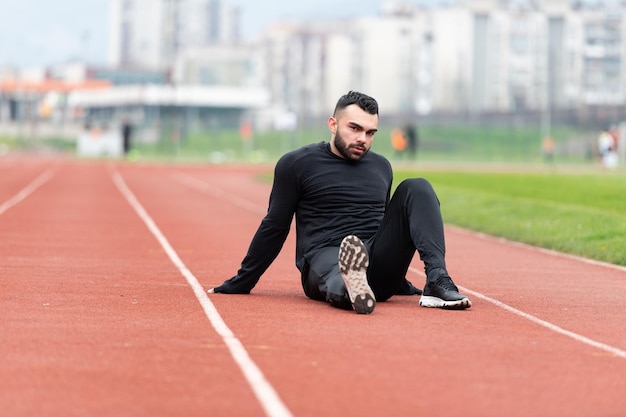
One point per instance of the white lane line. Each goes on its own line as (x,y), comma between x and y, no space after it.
(26,191)
(607,348)
(264,392)
(580,338)
(202,186)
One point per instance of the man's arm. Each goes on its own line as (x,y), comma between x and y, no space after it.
(271,234)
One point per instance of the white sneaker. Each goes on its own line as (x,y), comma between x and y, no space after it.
(353,262)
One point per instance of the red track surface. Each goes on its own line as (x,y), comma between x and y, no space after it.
(97,320)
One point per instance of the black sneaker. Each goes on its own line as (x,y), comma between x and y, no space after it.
(442,293)
(353,262)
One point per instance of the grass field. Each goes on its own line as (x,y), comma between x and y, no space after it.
(444,142)
(458,143)
(582,213)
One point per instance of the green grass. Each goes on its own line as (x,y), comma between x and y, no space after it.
(502,143)
(461,142)
(449,142)
(58,144)
(577,213)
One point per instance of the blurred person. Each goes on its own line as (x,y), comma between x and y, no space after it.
(547,146)
(127,135)
(614,132)
(354,241)
(607,147)
(398,141)
(412,139)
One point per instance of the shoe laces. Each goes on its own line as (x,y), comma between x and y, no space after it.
(444,281)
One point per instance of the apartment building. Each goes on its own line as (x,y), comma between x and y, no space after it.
(466,57)
(306,67)
(150,34)
(602,55)
(474,56)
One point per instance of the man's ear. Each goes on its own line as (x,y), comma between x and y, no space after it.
(332,125)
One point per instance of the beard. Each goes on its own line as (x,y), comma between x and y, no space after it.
(346,150)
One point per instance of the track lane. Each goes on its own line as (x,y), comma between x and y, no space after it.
(402,360)
(17,173)
(322,360)
(581,297)
(264,392)
(96,320)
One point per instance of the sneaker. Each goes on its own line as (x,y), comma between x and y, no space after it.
(353,262)
(442,293)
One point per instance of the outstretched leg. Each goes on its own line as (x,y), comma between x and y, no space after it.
(321,278)
(353,262)
(339,276)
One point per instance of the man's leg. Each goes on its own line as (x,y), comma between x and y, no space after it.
(321,279)
(338,275)
(353,263)
(412,222)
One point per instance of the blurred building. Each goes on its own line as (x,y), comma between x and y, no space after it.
(469,57)
(307,66)
(219,64)
(464,59)
(602,59)
(150,34)
(175,63)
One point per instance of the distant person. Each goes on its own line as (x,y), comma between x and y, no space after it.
(547,147)
(614,132)
(354,241)
(607,147)
(127,133)
(412,139)
(398,141)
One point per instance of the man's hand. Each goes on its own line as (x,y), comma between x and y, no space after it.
(228,288)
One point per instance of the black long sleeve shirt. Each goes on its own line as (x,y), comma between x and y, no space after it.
(331,198)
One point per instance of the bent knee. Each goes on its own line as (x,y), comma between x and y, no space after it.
(415,185)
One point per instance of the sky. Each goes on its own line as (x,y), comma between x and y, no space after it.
(49,32)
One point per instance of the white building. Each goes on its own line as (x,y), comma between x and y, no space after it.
(603,56)
(470,57)
(306,67)
(151,33)
(474,56)
(467,57)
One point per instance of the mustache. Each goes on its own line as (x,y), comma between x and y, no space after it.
(353,145)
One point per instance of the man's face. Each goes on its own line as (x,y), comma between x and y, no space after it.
(353,132)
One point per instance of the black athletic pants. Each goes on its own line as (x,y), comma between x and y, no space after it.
(412,222)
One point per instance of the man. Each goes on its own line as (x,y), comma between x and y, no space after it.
(412,139)
(127,132)
(354,243)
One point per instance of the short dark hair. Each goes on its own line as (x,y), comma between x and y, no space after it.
(364,101)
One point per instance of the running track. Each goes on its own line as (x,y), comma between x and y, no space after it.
(104,268)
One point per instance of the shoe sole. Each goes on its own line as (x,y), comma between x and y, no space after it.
(353,263)
(436,302)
